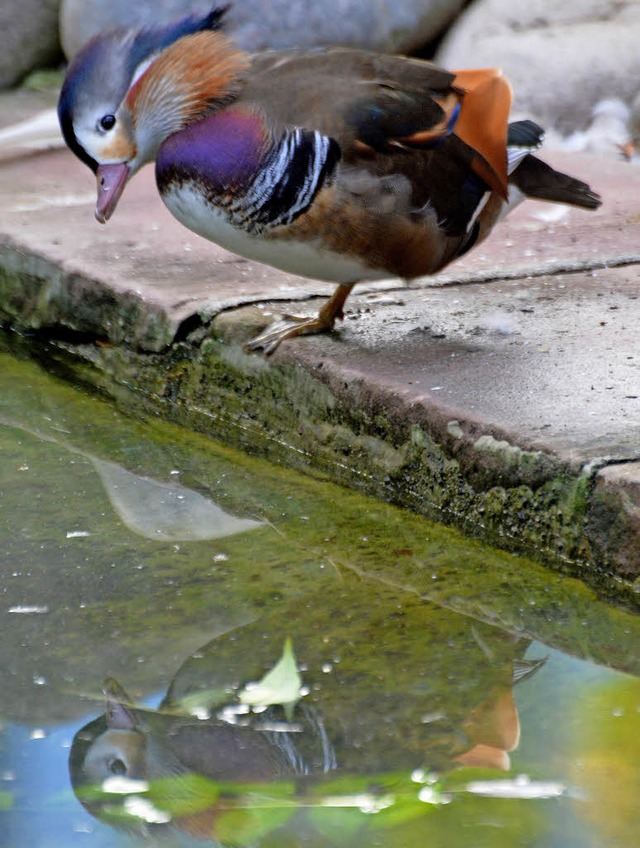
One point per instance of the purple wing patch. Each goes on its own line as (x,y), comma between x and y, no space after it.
(222,152)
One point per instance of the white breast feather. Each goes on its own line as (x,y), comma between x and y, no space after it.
(308,259)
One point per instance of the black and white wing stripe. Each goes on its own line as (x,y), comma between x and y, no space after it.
(296,168)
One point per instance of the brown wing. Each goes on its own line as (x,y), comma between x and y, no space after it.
(368,102)
(388,113)
(375,103)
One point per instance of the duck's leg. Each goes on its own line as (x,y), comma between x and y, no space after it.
(289,326)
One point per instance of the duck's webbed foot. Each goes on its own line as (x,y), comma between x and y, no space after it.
(290,326)
(287,327)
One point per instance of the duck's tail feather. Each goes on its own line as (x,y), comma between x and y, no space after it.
(524,133)
(536,179)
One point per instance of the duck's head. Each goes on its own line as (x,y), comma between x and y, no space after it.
(125,92)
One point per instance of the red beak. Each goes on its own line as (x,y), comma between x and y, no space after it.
(111,182)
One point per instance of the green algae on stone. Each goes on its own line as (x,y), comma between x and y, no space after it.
(528,503)
(37,294)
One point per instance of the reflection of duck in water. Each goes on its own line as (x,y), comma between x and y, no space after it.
(129,750)
(145,744)
(370,710)
(494,726)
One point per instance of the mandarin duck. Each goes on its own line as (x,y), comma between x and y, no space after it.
(337,164)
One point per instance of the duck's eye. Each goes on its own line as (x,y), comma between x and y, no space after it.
(108,122)
(117,766)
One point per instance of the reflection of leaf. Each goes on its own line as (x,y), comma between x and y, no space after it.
(393,809)
(337,824)
(201,703)
(163,800)
(382,801)
(605,758)
(457,780)
(184,794)
(162,511)
(248,826)
(6,800)
(281,685)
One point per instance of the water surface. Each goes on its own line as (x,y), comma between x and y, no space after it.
(417,687)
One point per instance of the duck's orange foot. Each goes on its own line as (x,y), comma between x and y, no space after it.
(290,326)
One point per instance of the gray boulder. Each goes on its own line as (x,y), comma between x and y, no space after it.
(29,37)
(82,19)
(561,58)
(387,25)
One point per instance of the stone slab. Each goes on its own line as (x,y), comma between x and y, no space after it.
(549,363)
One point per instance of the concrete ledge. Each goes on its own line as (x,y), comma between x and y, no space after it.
(502,396)
(614,516)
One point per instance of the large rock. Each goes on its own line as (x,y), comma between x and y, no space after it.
(29,37)
(81,19)
(259,24)
(562,58)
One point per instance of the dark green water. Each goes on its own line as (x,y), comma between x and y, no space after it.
(446,694)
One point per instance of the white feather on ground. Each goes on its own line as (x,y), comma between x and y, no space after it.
(42,132)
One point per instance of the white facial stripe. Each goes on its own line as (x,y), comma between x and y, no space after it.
(87,129)
(142,67)
(105,148)
(93,143)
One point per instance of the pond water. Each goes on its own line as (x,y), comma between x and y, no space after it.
(201,648)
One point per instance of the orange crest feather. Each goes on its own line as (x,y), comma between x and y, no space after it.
(192,72)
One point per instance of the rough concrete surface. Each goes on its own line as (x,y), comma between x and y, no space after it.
(502,395)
